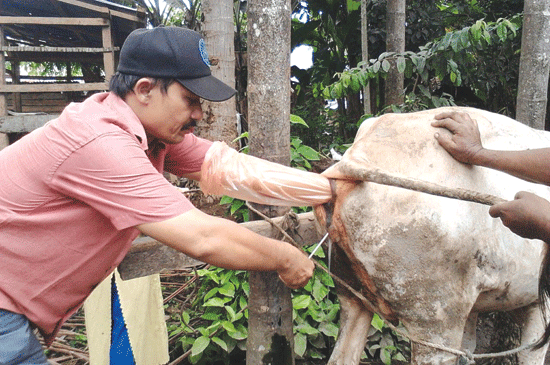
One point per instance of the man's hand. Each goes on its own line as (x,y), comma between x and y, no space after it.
(464,142)
(298,271)
(528,216)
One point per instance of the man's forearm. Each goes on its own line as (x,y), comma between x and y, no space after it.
(227,244)
(531,165)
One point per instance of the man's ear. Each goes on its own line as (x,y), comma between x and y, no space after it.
(142,89)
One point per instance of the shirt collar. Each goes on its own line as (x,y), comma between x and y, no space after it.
(127,119)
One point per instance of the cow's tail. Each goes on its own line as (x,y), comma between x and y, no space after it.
(544,297)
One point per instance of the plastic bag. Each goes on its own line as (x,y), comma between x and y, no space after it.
(228,172)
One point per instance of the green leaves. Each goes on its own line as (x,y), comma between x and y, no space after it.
(295,119)
(385,344)
(200,345)
(301,301)
(454,58)
(218,316)
(300,154)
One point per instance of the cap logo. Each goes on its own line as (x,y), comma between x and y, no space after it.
(204,54)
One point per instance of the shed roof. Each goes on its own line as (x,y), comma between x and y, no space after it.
(123,20)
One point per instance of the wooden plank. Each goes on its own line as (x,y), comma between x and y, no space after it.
(134,18)
(148,256)
(105,10)
(29,98)
(24,123)
(43,108)
(44,102)
(108,58)
(95,58)
(41,88)
(35,20)
(81,4)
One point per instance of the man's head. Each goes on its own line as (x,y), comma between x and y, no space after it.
(166,54)
(162,75)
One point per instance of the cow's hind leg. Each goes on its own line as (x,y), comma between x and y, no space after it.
(354,326)
(445,329)
(532,327)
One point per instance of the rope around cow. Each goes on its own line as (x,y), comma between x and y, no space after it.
(377,176)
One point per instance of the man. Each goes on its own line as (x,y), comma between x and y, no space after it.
(76,192)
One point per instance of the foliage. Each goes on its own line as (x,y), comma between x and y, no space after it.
(315,314)
(215,324)
(385,344)
(236,208)
(453,58)
(301,154)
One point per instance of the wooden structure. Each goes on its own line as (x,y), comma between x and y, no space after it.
(88,32)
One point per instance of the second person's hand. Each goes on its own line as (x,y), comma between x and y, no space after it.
(528,215)
(464,141)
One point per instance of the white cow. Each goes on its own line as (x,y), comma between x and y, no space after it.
(431,262)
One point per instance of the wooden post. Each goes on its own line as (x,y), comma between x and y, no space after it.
(4,140)
(108,57)
(270,335)
(16,80)
(69,72)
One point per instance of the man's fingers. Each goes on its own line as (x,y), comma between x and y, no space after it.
(444,115)
(445,140)
(495,210)
(521,194)
(447,123)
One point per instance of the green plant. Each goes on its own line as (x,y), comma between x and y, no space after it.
(216,323)
(385,344)
(315,314)
(237,208)
(455,59)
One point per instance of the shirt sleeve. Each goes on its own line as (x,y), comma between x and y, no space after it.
(187,156)
(113,175)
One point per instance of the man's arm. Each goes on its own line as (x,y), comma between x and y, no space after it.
(226,244)
(464,144)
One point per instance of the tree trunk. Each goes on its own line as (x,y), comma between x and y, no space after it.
(534,64)
(270,337)
(365,53)
(219,122)
(395,42)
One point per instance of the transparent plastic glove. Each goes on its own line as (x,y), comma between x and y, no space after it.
(227,172)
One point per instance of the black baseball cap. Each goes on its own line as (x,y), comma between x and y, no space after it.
(172,52)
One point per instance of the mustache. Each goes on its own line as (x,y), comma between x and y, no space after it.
(191,124)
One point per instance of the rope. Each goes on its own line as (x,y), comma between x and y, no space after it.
(464,357)
(355,172)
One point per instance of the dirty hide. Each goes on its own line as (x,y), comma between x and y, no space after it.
(431,262)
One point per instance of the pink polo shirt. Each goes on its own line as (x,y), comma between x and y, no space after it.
(71,194)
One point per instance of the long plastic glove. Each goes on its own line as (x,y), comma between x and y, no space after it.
(227,172)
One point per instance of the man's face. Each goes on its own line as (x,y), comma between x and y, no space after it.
(170,116)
